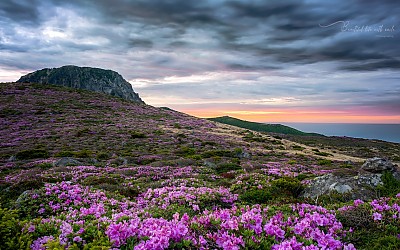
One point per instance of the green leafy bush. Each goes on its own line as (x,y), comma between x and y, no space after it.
(218,152)
(32,154)
(96,180)
(282,188)
(82,132)
(83,154)
(375,239)
(386,242)
(130,192)
(346,165)
(177,125)
(9,194)
(9,112)
(276,142)
(226,167)
(256,196)
(390,186)
(11,230)
(324,162)
(301,177)
(103,156)
(211,143)
(136,134)
(45,165)
(356,218)
(186,151)
(287,185)
(334,197)
(323,154)
(195,157)
(254,139)
(158,132)
(297,147)
(64,154)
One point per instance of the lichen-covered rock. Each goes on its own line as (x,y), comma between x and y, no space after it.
(94,79)
(377,165)
(67,161)
(26,195)
(359,186)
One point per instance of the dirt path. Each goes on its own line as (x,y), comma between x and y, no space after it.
(309,151)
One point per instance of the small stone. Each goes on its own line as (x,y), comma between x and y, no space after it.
(12,158)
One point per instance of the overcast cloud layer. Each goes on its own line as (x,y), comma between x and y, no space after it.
(338,57)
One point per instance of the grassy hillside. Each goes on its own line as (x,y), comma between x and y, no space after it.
(356,147)
(83,170)
(260,127)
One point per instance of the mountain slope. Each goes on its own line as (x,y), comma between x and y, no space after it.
(61,120)
(259,127)
(95,79)
(90,171)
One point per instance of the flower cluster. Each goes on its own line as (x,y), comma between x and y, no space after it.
(282,169)
(82,210)
(383,209)
(150,233)
(192,196)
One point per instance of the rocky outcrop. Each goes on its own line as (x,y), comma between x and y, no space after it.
(357,186)
(378,165)
(94,79)
(67,161)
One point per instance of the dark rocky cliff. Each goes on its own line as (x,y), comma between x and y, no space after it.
(95,79)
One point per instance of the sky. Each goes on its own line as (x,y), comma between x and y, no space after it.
(266,61)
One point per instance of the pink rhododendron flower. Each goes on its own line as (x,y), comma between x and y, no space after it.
(31,228)
(77,239)
(377,216)
(358,202)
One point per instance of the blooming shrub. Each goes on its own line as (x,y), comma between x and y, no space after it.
(382,211)
(197,198)
(377,222)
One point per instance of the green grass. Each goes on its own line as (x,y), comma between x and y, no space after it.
(259,127)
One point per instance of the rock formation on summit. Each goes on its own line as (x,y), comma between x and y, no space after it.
(94,79)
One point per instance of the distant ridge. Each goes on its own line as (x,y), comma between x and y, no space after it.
(260,127)
(94,79)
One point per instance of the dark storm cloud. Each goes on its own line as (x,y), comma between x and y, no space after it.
(155,12)
(287,31)
(381,64)
(296,22)
(244,67)
(25,11)
(351,90)
(141,43)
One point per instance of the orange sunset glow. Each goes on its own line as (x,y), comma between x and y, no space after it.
(297,116)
